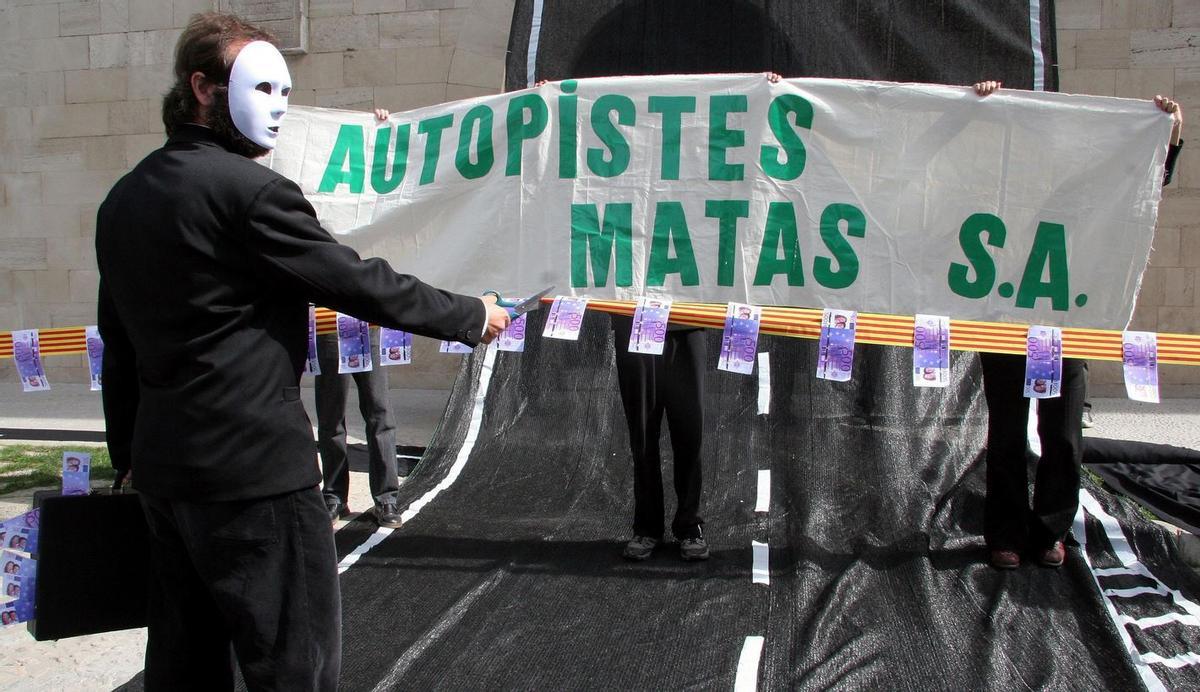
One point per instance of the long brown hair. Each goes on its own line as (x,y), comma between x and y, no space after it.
(204,47)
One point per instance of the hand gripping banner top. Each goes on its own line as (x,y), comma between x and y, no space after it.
(1026,207)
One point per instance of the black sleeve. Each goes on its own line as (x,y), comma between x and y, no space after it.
(119,383)
(1169,169)
(283,230)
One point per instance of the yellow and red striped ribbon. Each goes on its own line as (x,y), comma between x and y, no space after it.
(897,330)
(804,323)
(60,341)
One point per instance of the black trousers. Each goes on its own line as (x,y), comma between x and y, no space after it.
(1010,523)
(672,383)
(331,391)
(254,578)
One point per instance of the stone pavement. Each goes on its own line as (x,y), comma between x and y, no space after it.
(101,662)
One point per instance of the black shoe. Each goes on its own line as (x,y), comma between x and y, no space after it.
(336,508)
(387,514)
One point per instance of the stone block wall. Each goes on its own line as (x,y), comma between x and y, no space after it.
(1137,49)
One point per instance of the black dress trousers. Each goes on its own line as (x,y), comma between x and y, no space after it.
(259,574)
(651,386)
(1010,523)
(331,391)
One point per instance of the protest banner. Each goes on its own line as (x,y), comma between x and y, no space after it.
(890,198)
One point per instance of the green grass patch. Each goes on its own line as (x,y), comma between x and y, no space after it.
(34,466)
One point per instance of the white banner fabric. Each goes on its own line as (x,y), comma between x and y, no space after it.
(877,197)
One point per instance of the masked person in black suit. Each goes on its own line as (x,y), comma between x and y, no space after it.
(207,262)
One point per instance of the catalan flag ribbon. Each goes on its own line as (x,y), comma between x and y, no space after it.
(803,323)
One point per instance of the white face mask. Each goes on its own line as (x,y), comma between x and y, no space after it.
(259,85)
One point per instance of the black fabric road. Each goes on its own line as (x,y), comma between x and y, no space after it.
(511,577)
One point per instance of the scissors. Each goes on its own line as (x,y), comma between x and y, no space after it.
(516,308)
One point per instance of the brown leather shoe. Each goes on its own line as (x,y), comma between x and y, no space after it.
(1006,559)
(1054,555)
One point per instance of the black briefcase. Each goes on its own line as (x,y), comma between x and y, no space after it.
(92,564)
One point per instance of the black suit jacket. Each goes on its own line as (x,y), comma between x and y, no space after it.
(208,262)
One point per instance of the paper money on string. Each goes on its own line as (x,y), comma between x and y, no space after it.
(1139,358)
(513,338)
(354,345)
(27,354)
(931,351)
(312,365)
(1043,362)
(649,331)
(739,340)
(395,347)
(565,318)
(454,347)
(835,349)
(95,356)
